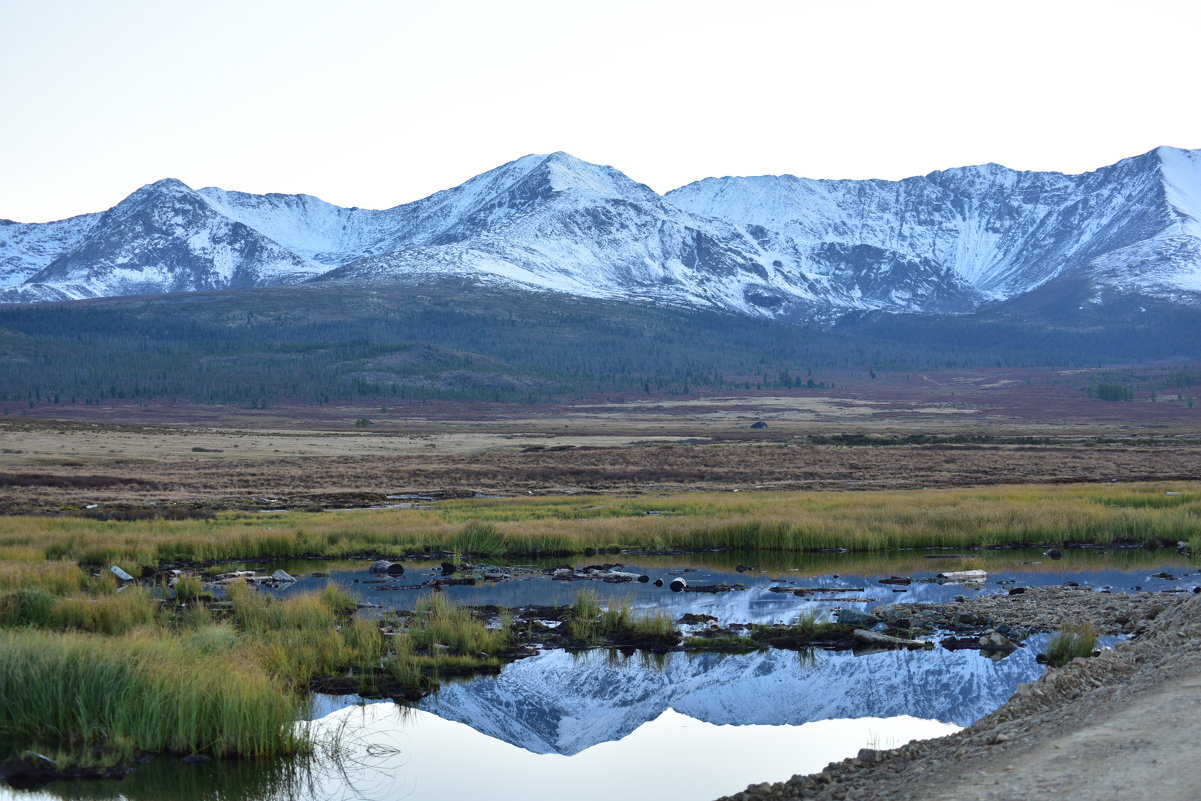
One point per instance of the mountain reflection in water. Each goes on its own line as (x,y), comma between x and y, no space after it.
(673,756)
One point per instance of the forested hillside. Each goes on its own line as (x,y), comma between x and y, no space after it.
(467,341)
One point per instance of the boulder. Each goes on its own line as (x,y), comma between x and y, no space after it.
(677,584)
(854,617)
(282,577)
(995,641)
(389,568)
(120,574)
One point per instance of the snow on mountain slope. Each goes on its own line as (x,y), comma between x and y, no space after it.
(1181,171)
(555,222)
(772,246)
(163,238)
(1002,231)
(326,234)
(26,248)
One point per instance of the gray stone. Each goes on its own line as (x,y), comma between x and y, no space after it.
(853,617)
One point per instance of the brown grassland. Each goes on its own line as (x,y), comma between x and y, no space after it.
(895,431)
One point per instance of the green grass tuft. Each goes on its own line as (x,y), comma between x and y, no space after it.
(1071,642)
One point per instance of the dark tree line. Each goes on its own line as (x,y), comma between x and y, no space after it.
(464,342)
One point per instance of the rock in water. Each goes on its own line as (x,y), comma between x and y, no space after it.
(854,617)
(964,575)
(677,584)
(995,641)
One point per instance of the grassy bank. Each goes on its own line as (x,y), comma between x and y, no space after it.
(94,676)
(794,521)
(76,695)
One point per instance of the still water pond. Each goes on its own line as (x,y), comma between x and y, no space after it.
(600,724)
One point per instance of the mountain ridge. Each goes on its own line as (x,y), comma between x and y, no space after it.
(809,250)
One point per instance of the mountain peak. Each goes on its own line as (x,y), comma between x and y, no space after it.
(157,191)
(168,185)
(566,173)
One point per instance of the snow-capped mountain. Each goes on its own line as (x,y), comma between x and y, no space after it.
(1133,224)
(559,702)
(772,246)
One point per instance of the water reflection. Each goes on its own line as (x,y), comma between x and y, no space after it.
(388,752)
(562,703)
(171,780)
(672,756)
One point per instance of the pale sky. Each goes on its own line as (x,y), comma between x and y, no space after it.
(374,103)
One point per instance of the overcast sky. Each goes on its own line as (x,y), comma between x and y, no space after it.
(377,103)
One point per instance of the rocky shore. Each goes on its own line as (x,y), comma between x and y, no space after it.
(1119,725)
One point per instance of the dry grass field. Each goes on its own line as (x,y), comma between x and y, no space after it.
(895,431)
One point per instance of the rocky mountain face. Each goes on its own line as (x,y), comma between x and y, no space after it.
(770,246)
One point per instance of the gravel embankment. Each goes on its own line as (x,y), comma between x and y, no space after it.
(1121,725)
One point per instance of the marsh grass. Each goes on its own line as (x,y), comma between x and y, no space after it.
(477,538)
(806,627)
(188,588)
(26,608)
(77,692)
(769,521)
(717,640)
(583,619)
(1071,642)
(59,578)
(437,627)
(121,671)
(298,638)
(442,639)
(588,622)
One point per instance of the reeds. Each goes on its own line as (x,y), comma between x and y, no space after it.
(775,521)
(77,692)
(188,588)
(589,623)
(297,639)
(438,627)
